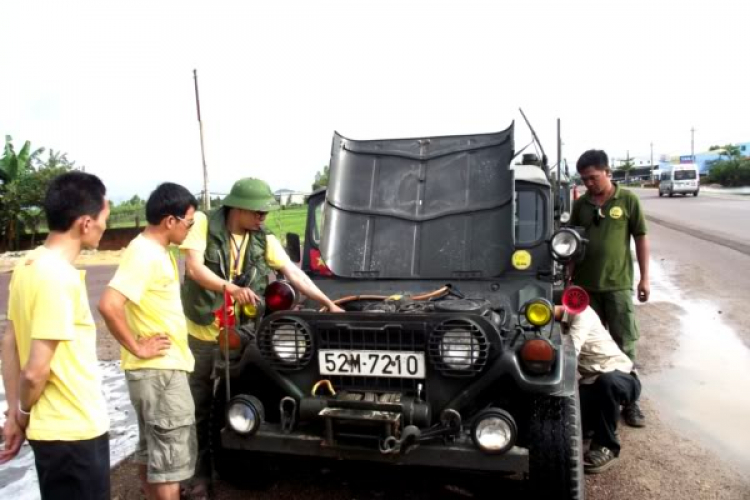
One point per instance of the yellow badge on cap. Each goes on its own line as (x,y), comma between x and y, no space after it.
(615,212)
(521,259)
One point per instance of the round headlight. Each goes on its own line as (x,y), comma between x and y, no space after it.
(566,244)
(245,414)
(494,431)
(459,349)
(289,343)
(538,312)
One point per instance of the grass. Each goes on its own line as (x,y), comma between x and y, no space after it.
(292,220)
(279,222)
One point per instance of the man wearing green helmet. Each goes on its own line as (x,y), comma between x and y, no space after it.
(230,242)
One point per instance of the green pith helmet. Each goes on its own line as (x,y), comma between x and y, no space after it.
(251,194)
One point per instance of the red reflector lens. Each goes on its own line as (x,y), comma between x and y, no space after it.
(537,350)
(575,299)
(280,296)
(235,342)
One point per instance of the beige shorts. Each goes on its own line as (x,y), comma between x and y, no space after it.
(166,423)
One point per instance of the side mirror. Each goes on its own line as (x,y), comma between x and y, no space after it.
(293,247)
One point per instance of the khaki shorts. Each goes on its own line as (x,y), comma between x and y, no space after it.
(166,423)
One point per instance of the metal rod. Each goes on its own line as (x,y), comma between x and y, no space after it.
(226,340)
(536,138)
(558,184)
(206,196)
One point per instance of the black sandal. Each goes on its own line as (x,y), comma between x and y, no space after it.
(598,459)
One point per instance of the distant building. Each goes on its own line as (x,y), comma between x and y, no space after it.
(642,171)
(287,197)
(704,159)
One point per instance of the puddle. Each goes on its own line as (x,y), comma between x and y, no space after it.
(18,478)
(704,390)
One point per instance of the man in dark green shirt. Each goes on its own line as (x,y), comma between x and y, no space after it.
(610,215)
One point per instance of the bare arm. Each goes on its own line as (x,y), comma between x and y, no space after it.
(643,254)
(12,432)
(112,309)
(197,271)
(304,284)
(35,373)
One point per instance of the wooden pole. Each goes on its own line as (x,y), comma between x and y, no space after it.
(206,195)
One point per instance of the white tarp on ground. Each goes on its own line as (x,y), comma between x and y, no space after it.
(18,478)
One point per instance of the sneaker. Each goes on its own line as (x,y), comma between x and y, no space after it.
(633,415)
(598,459)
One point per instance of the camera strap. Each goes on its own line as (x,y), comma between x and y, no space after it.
(237,255)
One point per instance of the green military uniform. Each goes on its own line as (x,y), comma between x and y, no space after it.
(606,271)
(199,303)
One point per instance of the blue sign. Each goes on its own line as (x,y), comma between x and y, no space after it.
(687,159)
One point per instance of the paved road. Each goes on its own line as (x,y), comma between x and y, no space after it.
(718,218)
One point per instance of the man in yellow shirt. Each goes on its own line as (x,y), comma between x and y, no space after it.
(50,372)
(230,242)
(142,309)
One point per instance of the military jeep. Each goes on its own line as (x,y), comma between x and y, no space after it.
(445,257)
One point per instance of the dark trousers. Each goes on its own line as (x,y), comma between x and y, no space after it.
(600,405)
(73,469)
(202,389)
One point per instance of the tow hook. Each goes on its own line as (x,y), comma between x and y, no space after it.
(392,445)
(288,407)
(449,428)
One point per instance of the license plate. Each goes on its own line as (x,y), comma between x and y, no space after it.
(398,364)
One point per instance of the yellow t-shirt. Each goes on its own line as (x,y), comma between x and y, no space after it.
(197,239)
(48,301)
(149,278)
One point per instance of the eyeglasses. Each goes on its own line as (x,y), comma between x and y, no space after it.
(188,223)
(598,215)
(259,214)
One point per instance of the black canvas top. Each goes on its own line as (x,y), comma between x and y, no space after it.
(432,207)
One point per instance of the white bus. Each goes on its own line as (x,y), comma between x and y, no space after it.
(679,179)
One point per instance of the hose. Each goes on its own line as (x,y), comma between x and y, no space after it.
(351,298)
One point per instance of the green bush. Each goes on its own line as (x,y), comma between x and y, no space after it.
(730,173)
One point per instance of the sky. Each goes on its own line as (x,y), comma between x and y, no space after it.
(111,82)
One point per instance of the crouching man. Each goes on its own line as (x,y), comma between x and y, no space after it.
(143,311)
(608,381)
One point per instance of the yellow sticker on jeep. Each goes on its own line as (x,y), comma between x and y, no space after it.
(521,259)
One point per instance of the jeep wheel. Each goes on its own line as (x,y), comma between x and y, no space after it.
(661,193)
(240,468)
(556,448)
(671,194)
(695,193)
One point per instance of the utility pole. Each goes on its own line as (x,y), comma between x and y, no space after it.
(206,196)
(652,156)
(692,143)
(652,160)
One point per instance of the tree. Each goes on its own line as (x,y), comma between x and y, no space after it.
(627,167)
(730,151)
(25,179)
(321,179)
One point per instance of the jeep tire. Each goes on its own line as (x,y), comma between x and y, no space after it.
(556,448)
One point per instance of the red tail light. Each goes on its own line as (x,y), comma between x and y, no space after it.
(280,296)
(575,299)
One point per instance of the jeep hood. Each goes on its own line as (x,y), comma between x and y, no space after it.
(431,207)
